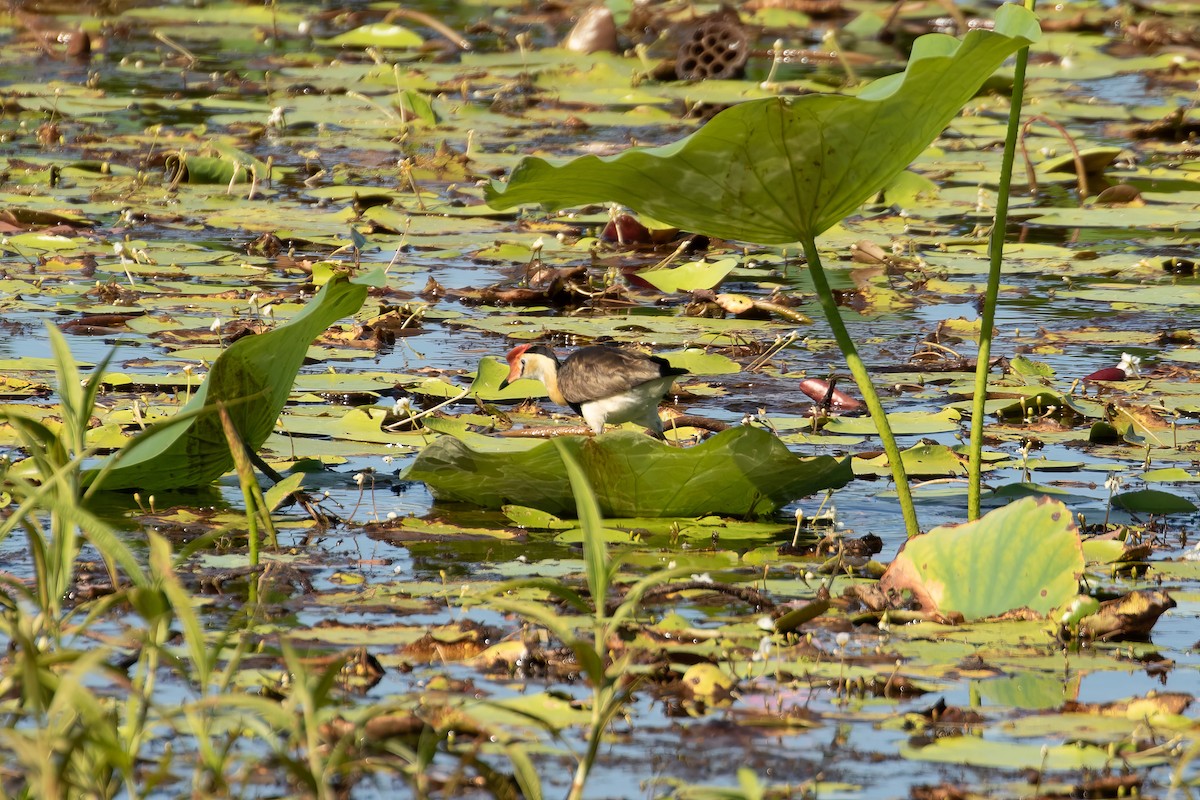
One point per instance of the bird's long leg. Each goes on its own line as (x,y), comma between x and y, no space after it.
(654,424)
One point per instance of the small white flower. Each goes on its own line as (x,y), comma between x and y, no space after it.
(701,577)
(764,649)
(216,325)
(842,639)
(360,477)
(765,623)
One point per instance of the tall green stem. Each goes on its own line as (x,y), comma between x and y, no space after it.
(996,255)
(865,386)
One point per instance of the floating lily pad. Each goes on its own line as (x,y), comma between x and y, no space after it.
(738,472)
(922,460)
(1170,475)
(1153,501)
(532,518)
(689,277)
(902,423)
(979,752)
(380,34)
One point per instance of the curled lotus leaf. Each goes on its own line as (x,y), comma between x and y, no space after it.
(785,169)
(739,472)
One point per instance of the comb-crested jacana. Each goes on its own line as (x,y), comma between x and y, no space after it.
(600,383)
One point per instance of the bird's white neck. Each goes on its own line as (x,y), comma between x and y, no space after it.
(546,371)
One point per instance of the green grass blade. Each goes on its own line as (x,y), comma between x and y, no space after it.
(987,317)
(595,549)
(182,606)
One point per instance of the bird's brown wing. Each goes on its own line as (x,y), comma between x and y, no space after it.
(593,373)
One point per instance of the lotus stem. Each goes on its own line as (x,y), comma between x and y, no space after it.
(865,386)
(992,295)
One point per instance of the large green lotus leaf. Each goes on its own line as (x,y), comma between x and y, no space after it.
(738,472)
(785,169)
(1026,554)
(253,378)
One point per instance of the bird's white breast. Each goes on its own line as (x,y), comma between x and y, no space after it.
(630,406)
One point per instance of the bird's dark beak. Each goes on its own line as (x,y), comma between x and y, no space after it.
(514,374)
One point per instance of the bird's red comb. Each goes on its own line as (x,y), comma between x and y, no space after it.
(516,353)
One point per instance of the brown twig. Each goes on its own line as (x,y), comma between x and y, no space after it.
(546,432)
(746,594)
(424,19)
(692,421)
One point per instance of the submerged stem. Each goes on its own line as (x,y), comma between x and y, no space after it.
(863,379)
(991,299)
